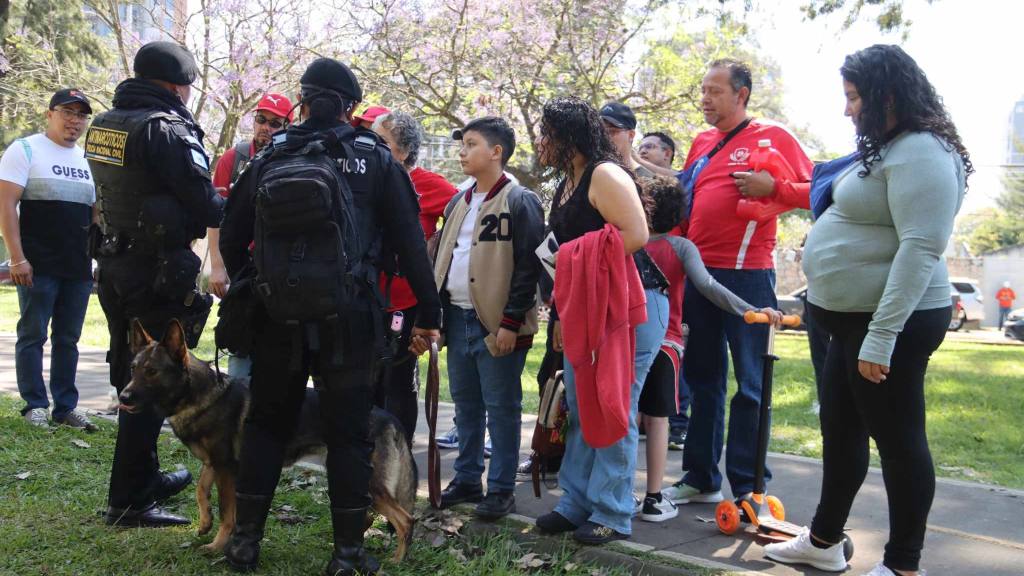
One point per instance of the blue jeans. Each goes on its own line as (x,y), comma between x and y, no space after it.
(486,391)
(64,301)
(706,370)
(597,484)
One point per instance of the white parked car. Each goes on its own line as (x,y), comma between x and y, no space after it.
(972,307)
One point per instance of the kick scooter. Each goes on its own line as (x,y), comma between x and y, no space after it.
(766,513)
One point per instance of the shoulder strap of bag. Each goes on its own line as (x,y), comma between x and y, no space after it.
(28,149)
(430,409)
(732,133)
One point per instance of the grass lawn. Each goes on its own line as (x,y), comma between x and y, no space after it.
(975,396)
(52,492)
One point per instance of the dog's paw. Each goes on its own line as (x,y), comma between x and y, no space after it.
(214,547)
(205,524)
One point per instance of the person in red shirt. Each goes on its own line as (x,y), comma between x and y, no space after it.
(1005,296)
(738,254)
(402,133)
(272,114)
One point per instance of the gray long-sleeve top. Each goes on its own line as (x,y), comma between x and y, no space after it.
(879,247)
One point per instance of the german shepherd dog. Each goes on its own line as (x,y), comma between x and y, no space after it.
(207,415)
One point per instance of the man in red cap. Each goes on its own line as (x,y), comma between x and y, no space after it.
(272,114)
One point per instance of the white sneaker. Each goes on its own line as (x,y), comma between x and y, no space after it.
(683,493)
(38,417)
(655,511)
(800,550)
(638,504)
(881,570)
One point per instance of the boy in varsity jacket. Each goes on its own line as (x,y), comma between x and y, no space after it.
(487,274)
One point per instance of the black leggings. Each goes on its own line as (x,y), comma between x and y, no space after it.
(893,413)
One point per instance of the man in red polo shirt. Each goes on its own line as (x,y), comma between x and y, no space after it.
(272,114)
(738,253)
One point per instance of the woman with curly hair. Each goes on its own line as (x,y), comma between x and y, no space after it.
(594,190)
(877,282)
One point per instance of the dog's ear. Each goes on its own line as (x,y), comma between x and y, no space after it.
(139,337)
(174,342)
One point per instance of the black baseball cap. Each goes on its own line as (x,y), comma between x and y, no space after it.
(70,96)
(329,74)
(167,61)
(619,115)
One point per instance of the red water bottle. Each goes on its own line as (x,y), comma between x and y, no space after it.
(766,158)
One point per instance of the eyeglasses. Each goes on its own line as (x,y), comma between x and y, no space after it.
(652,145)
(613,129)
(69,115)
(275,123)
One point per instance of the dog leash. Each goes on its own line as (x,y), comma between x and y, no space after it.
(430,408)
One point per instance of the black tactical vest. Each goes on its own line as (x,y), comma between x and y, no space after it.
(122,182)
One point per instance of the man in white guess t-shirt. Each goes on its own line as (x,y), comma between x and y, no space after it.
(46,207)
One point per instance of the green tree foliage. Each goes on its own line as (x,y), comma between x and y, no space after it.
(995,228)
(450,62)
(887,14)
(45,45)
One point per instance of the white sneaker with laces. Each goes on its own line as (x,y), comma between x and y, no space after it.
(38,417)
(655,511)
(683,493)
(800,550)
(881,569)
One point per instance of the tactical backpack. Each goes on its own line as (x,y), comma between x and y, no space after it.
(308,250)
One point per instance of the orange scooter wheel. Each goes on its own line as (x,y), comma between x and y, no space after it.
(775,507)
(727,516)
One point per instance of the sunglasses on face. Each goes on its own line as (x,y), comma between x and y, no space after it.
(69,115)
(275,124)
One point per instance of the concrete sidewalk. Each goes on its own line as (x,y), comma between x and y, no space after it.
(973,528)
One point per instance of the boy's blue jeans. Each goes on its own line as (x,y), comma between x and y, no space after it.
(487,391)
(597,484)
(64,301)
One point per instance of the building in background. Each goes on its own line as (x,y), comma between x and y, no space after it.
(147,20)
(1015,137)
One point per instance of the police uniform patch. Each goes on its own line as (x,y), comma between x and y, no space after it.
(199,159)
(106,145)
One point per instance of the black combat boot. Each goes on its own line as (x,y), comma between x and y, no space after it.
(243,548)
(350,559)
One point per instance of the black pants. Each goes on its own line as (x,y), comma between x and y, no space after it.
(399,383)
(283,359)
(893,414)
(125,293)
(817,340)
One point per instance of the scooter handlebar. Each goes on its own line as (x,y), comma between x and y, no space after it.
(752,317)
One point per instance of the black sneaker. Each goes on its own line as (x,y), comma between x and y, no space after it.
(456,493)
(554,523)
(676,438)
(496,505)
(595,534)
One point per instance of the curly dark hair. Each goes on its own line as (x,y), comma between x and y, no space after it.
(572,126)
(886,77)
(667,203)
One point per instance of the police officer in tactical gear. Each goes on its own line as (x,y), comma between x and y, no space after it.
(155,197)
(341,352)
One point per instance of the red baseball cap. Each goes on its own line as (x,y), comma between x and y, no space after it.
(370,114)
(277,104)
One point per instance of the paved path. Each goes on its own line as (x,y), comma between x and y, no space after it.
(973,529)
